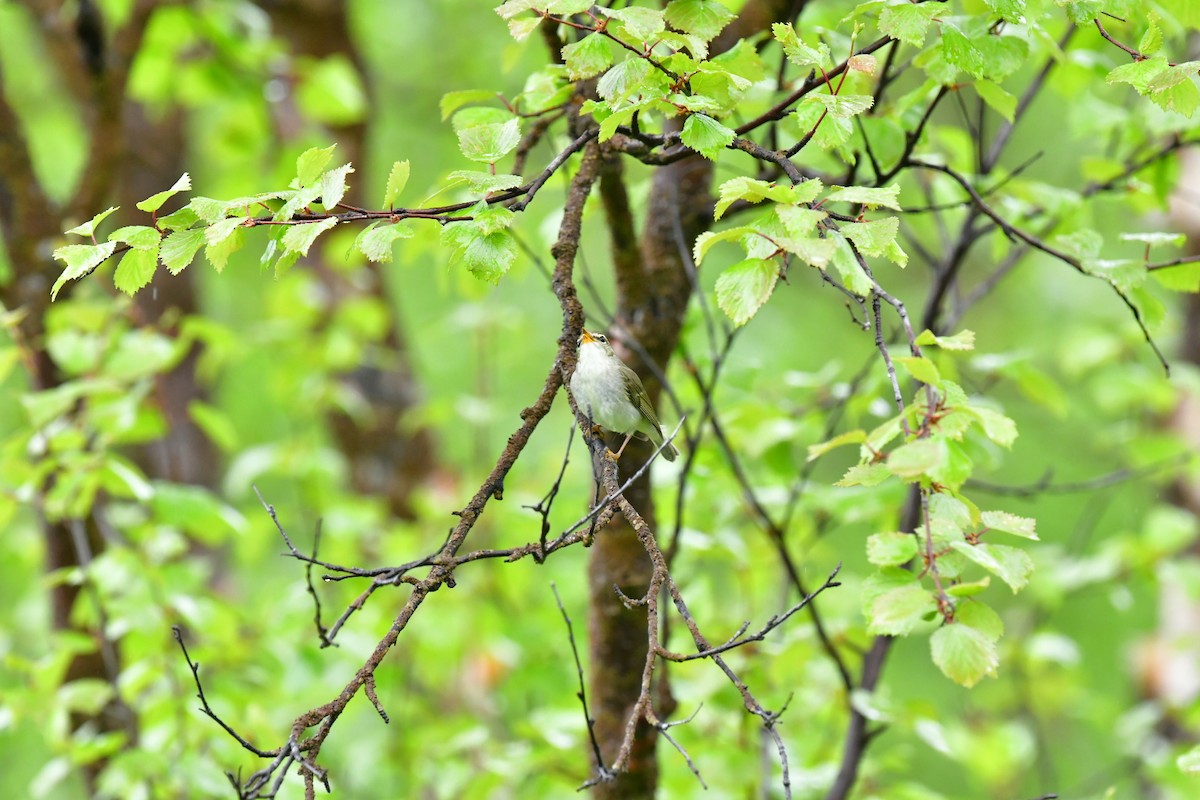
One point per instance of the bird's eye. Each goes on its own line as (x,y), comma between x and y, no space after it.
(601,338)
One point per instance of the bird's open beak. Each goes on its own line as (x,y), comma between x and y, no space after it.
(586,337)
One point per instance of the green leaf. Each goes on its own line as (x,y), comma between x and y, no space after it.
(887,196)
(80,259)
(704,18)
(397,180)
(851,272)
(898,611)
(891,549)
(155,201)
(297,201)
(706,240)
(1151,238)
(333,186)
(877,238)
(218,253)
(299,238)
(1005,522)
(1007,563)
(865,475)
(89,228)
(1009,10)
(1189,762)
(453,101)
(376,240)
(488,143)
(311,164)
(997,99)
(842,106)
(997,427)
(963,654)
(799,221)
(797,52)
(623,79)
(815,451)
(961,52)
(1138,74)
(1152,39)
(639,22)
(963,340)
(179,248)
(485,182)
(907,22)
(918,458)
(142,237)
(921,368)
(587,57)
(743,288)
(220,231)
(484,244)
(705,135)
(136,269)
(755,191)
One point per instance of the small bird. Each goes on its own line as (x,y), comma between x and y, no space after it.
(612,395)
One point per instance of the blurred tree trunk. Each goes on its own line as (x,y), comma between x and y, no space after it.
(94,65)
(386,455)
(653,289)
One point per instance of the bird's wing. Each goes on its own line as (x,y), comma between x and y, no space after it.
(640,399)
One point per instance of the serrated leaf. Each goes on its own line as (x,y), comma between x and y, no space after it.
(842,106)
(485,182)
(333,186)
(815,451)
(639,22)
(876,238)
(963,654)
(755,191)
(80,259)
(898,611)
(961,52)
(886,196)
(136,269)
(907,22)
(997,427)
(865,475)
(918,458)
(453,101)
(892,549)
(484,245)
(1009,564)
(179,248)
(797,52)
(703,18)
(706,240)
(297,201)
(219,231)
(1152,39)
(1138,74)
(997,99)
(155,201)
(89,228)
(208,209)
(743,288)
(623,79)
(851,272)
(921,368)
(488,143)
(705,135)
(1009,10)
(963,340)
(397,180)
(299,238)
(375,242)
(218,254)
(142,237)
(311,163)
(1005,522)
(587,57)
